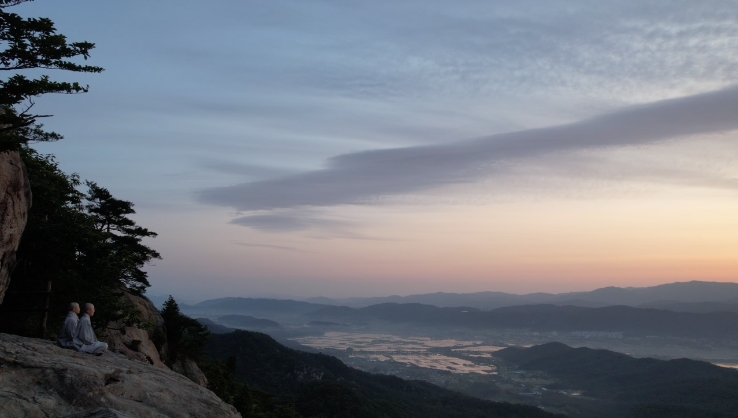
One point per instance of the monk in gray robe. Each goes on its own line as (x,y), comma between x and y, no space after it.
(85,339)
(65,339)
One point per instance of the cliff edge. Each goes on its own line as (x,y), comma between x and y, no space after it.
(39,379)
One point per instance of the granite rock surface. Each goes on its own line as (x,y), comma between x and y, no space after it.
(39,379)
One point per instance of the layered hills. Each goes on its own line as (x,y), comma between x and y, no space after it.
(247,322)
(666,294)
(624,319)
(614,384)
(692,296)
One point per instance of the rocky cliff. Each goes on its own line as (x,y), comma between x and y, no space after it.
(137,343)
(14,204)
(141,344)
(38,379)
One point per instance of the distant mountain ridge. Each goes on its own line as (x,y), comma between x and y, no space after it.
(692,296)
(252,306)
(247,322)
(546,318)
(679,292)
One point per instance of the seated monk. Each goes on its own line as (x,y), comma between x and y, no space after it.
(85,339)
(65,339)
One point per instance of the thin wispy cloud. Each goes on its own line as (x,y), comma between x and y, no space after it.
(283,222)
(358,178)
(271,247)
(243,170)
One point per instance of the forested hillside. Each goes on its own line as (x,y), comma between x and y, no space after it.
(322,386)
(620,385)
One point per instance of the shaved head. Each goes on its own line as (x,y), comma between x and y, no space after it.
(73,306)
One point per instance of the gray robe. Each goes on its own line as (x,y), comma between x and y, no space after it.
(85,339)
(65,339)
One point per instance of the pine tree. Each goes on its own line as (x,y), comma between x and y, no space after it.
(33,43)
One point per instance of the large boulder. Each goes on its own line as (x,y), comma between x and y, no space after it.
(15,202)
(141,344)
(189,369)
(38,379)
(137,343)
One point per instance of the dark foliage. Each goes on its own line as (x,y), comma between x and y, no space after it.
(121,237)
(65,242)
(186,337)
(322,386)
(33,43)
(248,401)
(215,328)
(635,386)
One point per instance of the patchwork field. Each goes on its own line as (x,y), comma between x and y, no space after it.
(436,354)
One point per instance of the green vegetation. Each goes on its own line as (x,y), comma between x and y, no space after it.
(187,338)
(248,401)
(33,43)
(322,386)
(618,385)
(84,243)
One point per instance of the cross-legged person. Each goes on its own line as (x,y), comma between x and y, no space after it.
(65,339)
(85,339)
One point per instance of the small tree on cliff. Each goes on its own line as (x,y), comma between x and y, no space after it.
(33,43)
(186,338)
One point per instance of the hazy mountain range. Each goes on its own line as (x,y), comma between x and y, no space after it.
(697,297)
(692,310)
(665,295)
(546,318)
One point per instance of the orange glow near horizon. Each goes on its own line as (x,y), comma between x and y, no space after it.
(552,245)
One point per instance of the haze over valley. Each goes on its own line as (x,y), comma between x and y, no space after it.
(461,347)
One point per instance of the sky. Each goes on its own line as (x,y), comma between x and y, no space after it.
(305,148)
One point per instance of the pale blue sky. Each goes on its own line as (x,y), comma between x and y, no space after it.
(213,118)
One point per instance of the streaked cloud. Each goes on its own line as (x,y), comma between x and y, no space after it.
(358,178)
(282,222)
(270,247)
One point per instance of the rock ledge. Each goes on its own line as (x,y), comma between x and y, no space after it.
(38,379)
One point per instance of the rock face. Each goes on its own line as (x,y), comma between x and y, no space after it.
(14,205)
(138,343)
(189,369)
(99,413)
(38,379)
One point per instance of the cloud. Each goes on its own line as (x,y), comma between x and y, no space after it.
(281,222)
(272,247)
(363,177)
(243,170)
